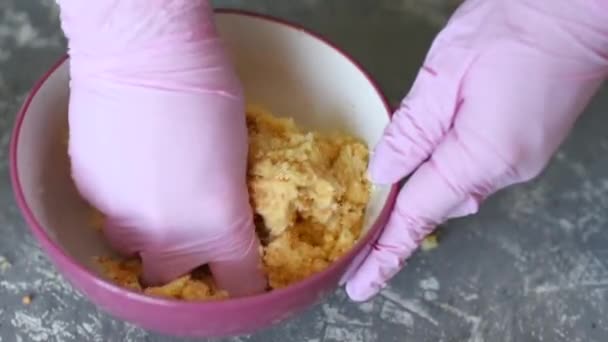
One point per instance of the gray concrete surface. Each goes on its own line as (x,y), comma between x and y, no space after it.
(532,266)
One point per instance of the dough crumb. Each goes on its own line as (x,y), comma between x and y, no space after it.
(97,220)
(429,243)
(309,191)
(4,264)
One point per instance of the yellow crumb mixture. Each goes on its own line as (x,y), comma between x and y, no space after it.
(196,286)
(309,192)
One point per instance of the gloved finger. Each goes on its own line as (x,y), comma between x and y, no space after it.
(419,125)
(242,275)
(235,266)
(451,184)
(423,118)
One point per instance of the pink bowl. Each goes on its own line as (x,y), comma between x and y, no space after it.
(284,67)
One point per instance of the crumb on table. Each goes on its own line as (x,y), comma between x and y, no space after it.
(4,264)
(309,192)
(429,243)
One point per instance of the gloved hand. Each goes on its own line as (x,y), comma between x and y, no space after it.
(158,138)
(499,91)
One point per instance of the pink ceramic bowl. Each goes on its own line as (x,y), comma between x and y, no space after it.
(292,72)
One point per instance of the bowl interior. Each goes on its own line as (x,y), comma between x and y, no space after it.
(287,70)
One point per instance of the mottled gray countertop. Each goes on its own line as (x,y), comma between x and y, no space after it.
(533,266)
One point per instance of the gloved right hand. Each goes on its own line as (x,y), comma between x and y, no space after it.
(499,91)
(158,138)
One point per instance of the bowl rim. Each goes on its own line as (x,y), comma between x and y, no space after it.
(57,254)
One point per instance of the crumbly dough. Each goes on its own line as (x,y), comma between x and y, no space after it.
(309,191)
(196,286)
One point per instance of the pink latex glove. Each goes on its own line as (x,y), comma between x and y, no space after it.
(158,138)
(499,91)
